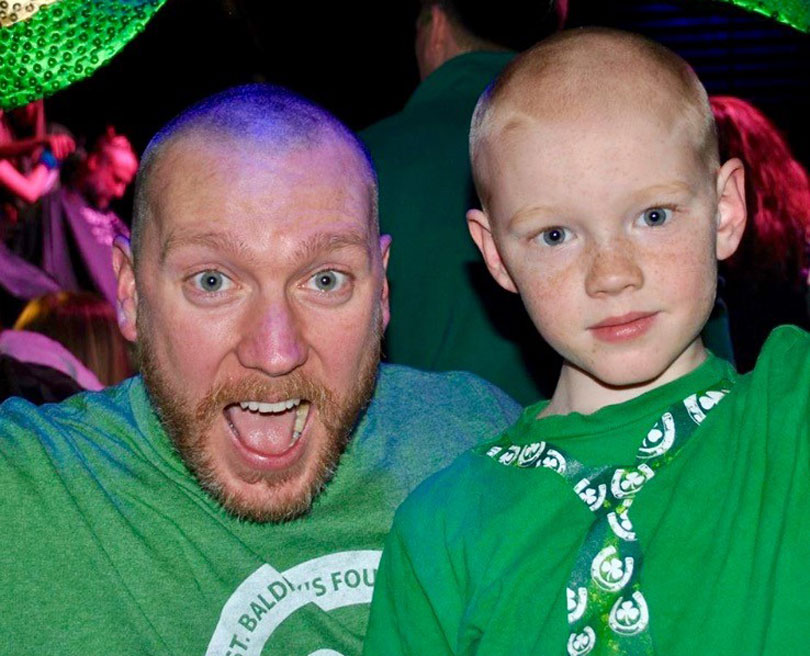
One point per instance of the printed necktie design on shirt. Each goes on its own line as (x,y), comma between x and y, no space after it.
(606,608)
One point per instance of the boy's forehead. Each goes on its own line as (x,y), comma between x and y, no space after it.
(558,162)
(587,96)
(593,85)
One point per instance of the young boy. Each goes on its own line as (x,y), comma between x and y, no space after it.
(658,502)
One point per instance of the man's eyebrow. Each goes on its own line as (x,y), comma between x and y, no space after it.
(318,243)
(219,241)
(323,242)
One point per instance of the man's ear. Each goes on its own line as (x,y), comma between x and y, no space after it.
(439,27)
(126,290)
(385,252)
(730,207)
(478,224)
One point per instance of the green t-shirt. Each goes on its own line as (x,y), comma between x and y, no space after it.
(480,554)
(109,546)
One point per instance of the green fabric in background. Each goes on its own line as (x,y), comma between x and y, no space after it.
(447,313)
(795,13)
(46,46)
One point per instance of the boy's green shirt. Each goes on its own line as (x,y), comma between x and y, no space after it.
(480,554)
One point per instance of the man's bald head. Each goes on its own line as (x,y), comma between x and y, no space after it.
(595,74)
(256,117)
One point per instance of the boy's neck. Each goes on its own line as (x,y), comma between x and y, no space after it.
(578,391)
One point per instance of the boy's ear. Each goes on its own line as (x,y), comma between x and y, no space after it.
(478,224)
(126,291)
(730,207)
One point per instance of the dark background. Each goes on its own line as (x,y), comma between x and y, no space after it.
(356,59)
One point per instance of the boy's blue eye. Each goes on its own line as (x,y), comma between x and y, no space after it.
(554,236)
(656,216)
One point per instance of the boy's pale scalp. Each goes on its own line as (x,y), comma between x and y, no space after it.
(595,73)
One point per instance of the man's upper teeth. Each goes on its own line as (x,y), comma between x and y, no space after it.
(257,406)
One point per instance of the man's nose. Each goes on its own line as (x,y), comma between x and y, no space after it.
(272,341)
(612,269)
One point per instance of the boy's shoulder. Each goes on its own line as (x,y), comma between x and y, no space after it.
(783,365)
(783,343)
(473,487)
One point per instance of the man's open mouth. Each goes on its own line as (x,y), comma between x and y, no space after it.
(268,428)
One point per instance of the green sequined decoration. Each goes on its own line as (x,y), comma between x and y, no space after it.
(795,13)
(45,46)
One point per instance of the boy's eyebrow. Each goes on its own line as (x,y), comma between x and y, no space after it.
(668,188)
(530,210)
(674,187)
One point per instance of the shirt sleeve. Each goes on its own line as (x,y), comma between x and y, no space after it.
(404,619)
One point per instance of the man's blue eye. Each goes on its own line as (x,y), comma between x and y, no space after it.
(656,216)
(328,281)
(211,281)
(554,236)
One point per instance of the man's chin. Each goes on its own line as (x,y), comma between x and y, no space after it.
(280,498)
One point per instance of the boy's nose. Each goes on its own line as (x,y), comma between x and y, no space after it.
(272,342)
(613,270)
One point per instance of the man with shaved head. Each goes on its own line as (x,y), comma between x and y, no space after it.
(232,499)
(655,504)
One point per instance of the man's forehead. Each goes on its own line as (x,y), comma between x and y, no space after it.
(203,155)
(198,187)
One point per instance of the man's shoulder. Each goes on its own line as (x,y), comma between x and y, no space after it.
(61,431)
(419,422)
(444,395)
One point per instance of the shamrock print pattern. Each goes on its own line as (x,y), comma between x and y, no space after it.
(605,580)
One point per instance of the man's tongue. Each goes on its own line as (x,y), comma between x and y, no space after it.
(269,434)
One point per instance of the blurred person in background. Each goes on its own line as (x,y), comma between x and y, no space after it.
(447,313)
(30,156)
(79,224)
(76,333)
(764,283)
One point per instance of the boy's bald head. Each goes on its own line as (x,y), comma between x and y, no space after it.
(595,74)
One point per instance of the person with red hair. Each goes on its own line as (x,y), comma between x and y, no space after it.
(764,282)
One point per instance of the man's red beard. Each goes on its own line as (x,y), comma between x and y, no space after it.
(189,425)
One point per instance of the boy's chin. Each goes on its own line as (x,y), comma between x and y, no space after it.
(642,371)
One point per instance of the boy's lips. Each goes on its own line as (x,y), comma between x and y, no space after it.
(624,327)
